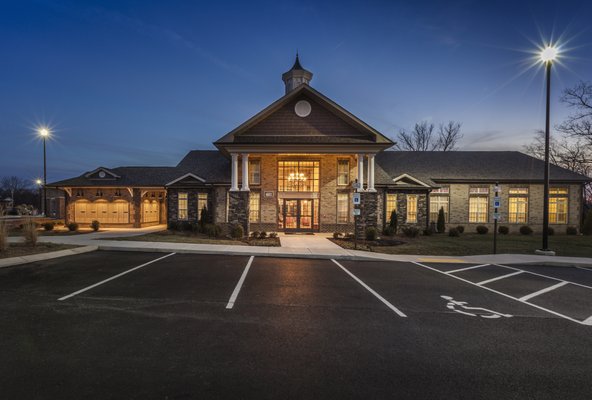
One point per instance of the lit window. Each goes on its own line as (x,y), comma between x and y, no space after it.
(518,210)
(254,203)
(343,172)
(518,190)
(182,205)
(342,208)
(558,210)
(202,202)
(254,172)
(411,208)
(478,209)
(391,205)
(298,176)
(558,190)
(436,203)
(479,190)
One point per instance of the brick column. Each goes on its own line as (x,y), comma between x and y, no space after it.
(238,209)
(368,213)
(137,202)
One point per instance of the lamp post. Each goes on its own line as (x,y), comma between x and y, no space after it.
(39,183)
(44,133)
(548,55)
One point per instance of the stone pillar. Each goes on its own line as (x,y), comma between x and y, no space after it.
(371,173)
(238,209)
(361,172)
(137,202)
(245,185)
(368,213)
(234,173)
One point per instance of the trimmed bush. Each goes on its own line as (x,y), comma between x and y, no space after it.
(587,225)
(441,225)
(95,225)
(482,229)
(213,230)
(30,232)
(525,230)
(3,236)
(428,232)
(173,225)
(411,231)
(48,226)
(262,235)
(255,234)
(388,231)
(186,226)
(273,235)
(453,232)
(237,232)
(349,236)
(393,222)
(551,231)
(460,229)
(72,226)
(371,233)
(336,235)
(571,230)
(503,230)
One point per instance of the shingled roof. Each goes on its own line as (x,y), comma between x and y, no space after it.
(433,167)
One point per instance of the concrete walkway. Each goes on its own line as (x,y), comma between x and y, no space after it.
(299,246)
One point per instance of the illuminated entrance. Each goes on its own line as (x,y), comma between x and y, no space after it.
(299,215)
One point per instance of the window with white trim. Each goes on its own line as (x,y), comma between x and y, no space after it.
(342,208)
(182,205)
(202,202)
(558,205)
(439,198)
(254,206)
(411,208)
(390,205)
(254,172)
(343,172)
(518,205)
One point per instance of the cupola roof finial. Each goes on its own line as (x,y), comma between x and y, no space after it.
(296,76)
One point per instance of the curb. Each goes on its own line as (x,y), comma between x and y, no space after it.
(10,262)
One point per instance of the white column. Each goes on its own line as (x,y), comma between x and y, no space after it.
(245,185)
(234,176)
(371,173)
(361,172)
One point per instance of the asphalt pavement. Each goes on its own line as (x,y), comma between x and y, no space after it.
(117,325)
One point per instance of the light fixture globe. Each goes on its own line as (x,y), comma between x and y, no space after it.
(38,182)
(44,132)
(549,54)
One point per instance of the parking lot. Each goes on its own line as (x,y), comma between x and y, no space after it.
(184,326)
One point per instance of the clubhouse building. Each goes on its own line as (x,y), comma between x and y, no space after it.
(295,166)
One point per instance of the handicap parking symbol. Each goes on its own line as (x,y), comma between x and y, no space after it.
(461,307)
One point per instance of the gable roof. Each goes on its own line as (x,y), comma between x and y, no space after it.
(328,123)
(99,170)
(433,167)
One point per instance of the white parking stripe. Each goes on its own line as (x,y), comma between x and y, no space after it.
(466,269)
(544,276)
(113,277)
(368,288)
(545,290)
(586,322)
(497,278)
(237,289)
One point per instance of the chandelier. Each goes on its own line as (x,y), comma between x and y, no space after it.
(296,177)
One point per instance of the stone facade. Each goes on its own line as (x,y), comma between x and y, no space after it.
(368,217)
(238,209)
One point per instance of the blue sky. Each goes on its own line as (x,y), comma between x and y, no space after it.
(142,82)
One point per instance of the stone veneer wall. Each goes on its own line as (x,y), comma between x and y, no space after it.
(193,214)
(238,209)
(368,217)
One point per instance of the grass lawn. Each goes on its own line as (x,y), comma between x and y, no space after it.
(472,244)
(21,249)
(198,238)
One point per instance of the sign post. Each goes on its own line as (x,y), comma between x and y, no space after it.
(356,200)
(496,216)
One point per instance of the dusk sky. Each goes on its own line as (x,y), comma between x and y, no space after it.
(143,82)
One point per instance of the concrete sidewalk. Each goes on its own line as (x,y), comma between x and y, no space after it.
(317,246)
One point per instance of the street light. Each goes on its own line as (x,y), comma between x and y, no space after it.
(44,133)
(39,184)
(548,55)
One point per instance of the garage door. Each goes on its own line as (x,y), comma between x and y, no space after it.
(116,212)
(150,211)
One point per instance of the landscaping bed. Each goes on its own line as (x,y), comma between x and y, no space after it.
(200,238)
(474,244)
(21,249)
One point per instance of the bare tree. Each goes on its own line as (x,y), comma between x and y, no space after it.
(448,136)
(572,154)
(14,185)
(421,138)
(578,124)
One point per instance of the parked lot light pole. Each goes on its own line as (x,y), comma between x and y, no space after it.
(39,184)
(44,133)
(548,55)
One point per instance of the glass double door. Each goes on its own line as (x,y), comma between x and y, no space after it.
(298,215)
